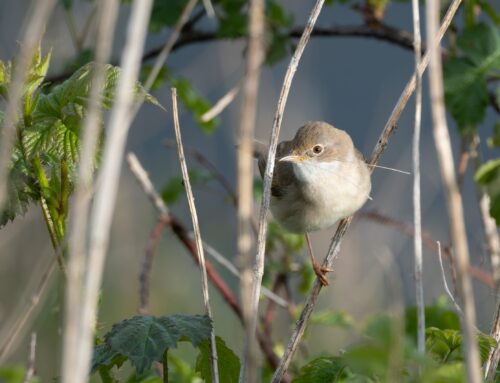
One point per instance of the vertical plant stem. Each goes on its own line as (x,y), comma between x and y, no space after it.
(106,190)
(273,143)
(78,229)
(453,197)
(417,220)
(165,366)
(33,30)
(255,56)
(197,235)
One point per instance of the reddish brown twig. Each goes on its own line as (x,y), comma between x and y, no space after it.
(144,275)
(427,240)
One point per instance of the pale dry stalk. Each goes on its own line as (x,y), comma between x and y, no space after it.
(255,56)
(417,211)
(107,12)
(107,184)
(453,196)
(197,235)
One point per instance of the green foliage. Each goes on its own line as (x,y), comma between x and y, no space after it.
(165,13)
(322,369)
(332,318)
(195,103)
(291,242)
(174,188)
(44,159)
(488,175)
(144,339)
(15,374)
(278,23)
(466,90)
(227,361)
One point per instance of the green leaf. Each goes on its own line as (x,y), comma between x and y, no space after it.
(174,188)
(195,103)
(488,175)
(228,362)
(165,13)
(143,339)
(321,370)
(332,318)
(466,90)
(232,19)
(486,343)
(448,373)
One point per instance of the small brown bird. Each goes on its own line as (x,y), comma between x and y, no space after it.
(319,178)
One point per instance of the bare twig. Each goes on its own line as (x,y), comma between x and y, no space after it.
(16,329)
(446,287)
(453,197)
(30,372)
(144,275)
(197,235)
(383,32)
(490,367)
(167,48)
(220,105)
(107,13)
(344,224)
(33,29)
(427,240)
(255,56)
(209,8)
(417,211)
(107,185)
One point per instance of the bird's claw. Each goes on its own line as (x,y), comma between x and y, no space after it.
(320,272)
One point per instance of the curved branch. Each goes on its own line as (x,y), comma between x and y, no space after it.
(383,32)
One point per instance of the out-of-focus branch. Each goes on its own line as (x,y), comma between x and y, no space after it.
(106,188)
(427,240)
(344,224)
(30,371)
(417,211)
(197,236)
(453,196)
(248,114)
(107,14)
(384,32)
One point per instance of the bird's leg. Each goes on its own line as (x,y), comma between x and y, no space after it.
(319,270)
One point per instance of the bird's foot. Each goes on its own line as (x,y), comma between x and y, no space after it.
(320,272)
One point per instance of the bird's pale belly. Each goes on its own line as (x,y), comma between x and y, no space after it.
(318,207)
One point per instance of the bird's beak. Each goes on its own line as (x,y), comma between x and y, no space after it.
(293,158)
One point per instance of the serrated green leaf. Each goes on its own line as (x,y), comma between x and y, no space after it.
(466,90)
(325,369)
(144,339)
(488,175)
(486,344)
(332,318)
(227,361)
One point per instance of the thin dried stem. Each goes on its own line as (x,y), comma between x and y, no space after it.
(490,367)
(209,8)
(16,329)
(344,224)
(167,48)
(255,57)
(222,104)
(30,371)
(34,27)
(197,235)
(107,185)
(453,197)
(417,211)
(445,283)
(107,14)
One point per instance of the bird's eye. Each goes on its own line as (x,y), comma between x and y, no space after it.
(317,149)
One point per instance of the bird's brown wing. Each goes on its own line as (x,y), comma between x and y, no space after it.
(283,171)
